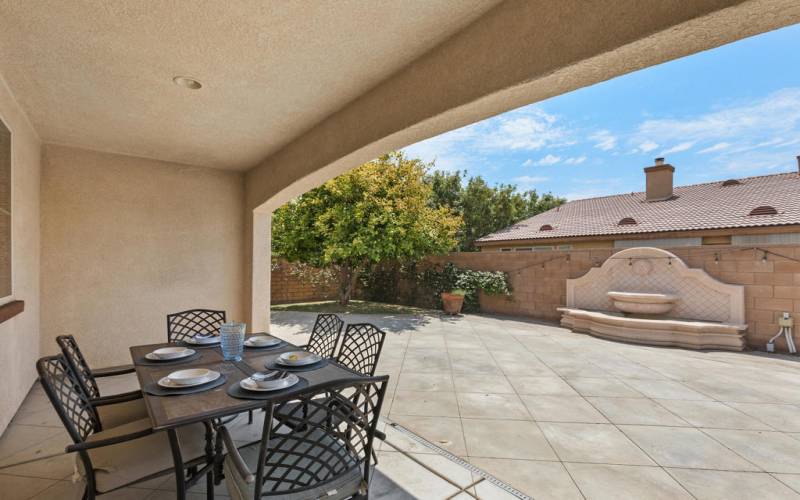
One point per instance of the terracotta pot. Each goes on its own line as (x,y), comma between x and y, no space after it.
(452,303)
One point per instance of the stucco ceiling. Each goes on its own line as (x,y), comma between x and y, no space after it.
(98,75)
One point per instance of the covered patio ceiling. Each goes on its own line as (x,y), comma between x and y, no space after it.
(98,75)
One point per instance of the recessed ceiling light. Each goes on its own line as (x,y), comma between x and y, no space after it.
(185,81)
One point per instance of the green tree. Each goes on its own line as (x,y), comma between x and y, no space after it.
(376,212)
(485,208)
(446,189)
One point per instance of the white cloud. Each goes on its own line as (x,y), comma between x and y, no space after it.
(742,138)
(716,147)
(575,160)
(548,160)
(775,114)
(587,193)
(758,162)
(684,146)
(447,150)
(604,140)
(528,182)
(525,129)
(528,128)
(647,146)
(790,142)
(595,187)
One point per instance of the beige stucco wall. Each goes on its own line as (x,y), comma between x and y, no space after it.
(127,240)
(19,337)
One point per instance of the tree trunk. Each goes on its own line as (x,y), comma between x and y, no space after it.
(347,283)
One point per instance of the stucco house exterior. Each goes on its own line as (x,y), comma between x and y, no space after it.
(758,210)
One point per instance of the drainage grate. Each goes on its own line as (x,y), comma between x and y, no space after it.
(458,460)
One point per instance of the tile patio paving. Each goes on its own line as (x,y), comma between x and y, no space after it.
(563,415)
(554,414)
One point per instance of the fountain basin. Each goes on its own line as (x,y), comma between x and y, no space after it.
(643,303)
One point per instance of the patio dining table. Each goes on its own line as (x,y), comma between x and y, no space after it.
(170,412)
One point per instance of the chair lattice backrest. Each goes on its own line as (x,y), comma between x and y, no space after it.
(361,348)
(70,401)
(332,436)
(187,324)
(325,335)
(76,361)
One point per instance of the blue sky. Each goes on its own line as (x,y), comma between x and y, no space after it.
(729,112)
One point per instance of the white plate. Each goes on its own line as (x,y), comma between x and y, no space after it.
(169,384)
(269,342)
(249,384)
(152,356)
(205,341)
(189,376)
(302,358)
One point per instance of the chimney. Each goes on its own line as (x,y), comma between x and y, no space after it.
(659,180)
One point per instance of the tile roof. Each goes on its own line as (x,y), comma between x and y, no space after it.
(699,206)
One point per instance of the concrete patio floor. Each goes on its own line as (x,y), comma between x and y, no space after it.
(563,415)
(37,432)
(552,413)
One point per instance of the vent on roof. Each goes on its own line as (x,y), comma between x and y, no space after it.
(731,182)
(764,210)
(546,227)
(627,221)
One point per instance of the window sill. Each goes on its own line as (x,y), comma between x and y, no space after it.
(11,309)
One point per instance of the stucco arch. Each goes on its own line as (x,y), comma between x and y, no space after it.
(520,52)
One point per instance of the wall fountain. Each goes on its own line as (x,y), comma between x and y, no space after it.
(650,296)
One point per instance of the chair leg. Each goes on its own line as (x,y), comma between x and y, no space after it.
(210,484)
(218,474)
(180,477)
(250,417)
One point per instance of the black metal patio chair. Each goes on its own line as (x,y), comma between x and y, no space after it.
(113,458)
(325,335)
(361,348)
(187,324)
(326,456)
(114,409)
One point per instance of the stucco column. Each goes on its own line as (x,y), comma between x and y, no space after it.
(262,271)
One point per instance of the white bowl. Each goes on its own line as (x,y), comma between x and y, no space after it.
(269,385)
(298,358)
(262,340)
(213,339)
(170,352)
(190,376)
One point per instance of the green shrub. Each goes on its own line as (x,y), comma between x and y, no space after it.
(451,277)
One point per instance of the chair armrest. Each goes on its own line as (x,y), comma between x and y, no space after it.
(88,445)
(238,462)
(113,370)
(117,398)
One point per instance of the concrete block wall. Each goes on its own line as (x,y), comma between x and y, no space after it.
(287,287)
(772,286)
(539,279)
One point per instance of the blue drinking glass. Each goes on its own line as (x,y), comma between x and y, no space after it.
(232,340)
